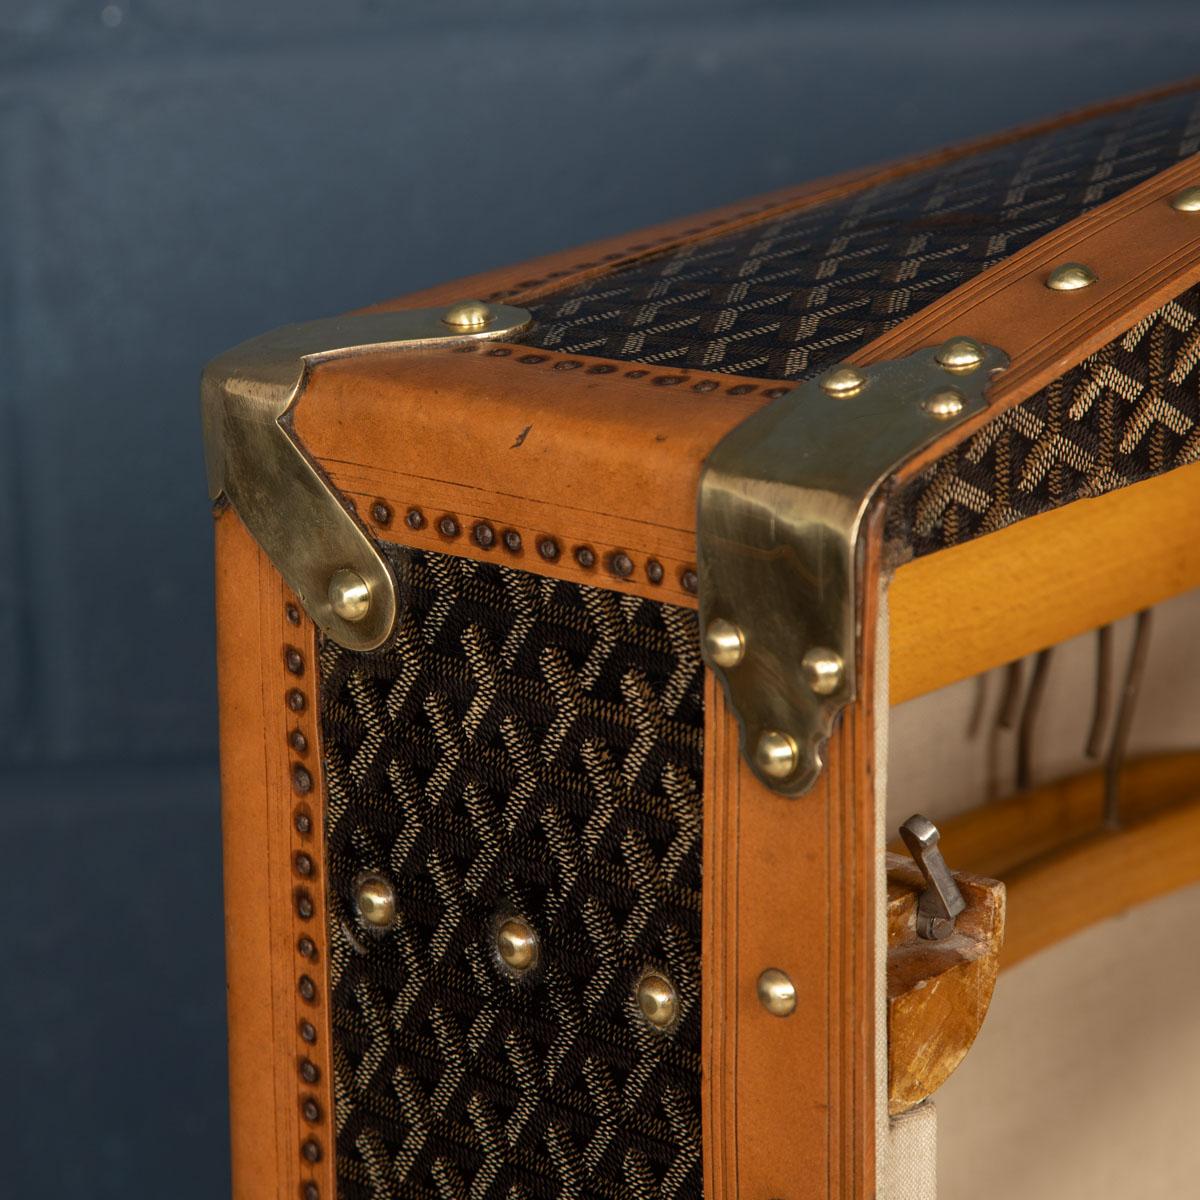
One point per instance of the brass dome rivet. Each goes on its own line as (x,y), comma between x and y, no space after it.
(843,382)
(960,354)
(470,314)
(725,642)
(823,670)
(1187,201)
(375,899)
(944,403)
(349,595)
(517,944)
(776,754)
(658,1000)
(1070,277)
(777,993)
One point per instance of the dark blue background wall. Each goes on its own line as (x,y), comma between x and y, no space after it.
(175,177)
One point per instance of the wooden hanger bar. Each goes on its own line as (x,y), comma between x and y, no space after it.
(973,607)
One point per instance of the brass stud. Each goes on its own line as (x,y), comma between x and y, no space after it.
(1187,201)
(777,993)
(959,354)
(843,382)
(469,315)
(725,642)
(658,1001)
(375,899)
(823,670)
(776,754)
(944,403)
(349,595)
(517,944)
(1070,277)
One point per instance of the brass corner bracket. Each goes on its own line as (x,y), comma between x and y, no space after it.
(782,500)
(306,529)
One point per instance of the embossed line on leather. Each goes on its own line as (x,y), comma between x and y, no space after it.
(1126,413)
(534,746)
(785,298)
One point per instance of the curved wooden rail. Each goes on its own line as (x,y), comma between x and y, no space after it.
(1063,869)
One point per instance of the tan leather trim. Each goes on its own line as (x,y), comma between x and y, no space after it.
(528,280)
(585,451)
(1144,253)
(789,1103)
(607,455)
(263,885)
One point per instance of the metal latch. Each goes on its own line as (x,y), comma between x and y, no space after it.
(782,499)
(305,528)
(941,901)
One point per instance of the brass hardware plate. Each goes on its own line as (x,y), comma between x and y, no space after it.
(781,502)
(299,520)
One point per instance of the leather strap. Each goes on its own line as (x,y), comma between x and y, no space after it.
(274,898)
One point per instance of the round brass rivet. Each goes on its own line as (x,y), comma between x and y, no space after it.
(658,1001)
(375,899)
(823,670)
(843,382)
(621,565)
(349,595)
(311,1151)
(944,403)
(776,754)
(1070,277)
(1187,201)
(470,314)
(311,1110)
(960,354)
(777,993)
(309,1071)
(725,642)
(517,944)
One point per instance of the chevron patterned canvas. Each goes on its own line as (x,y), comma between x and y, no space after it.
(525,746)
(1126,413)
(786,298)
